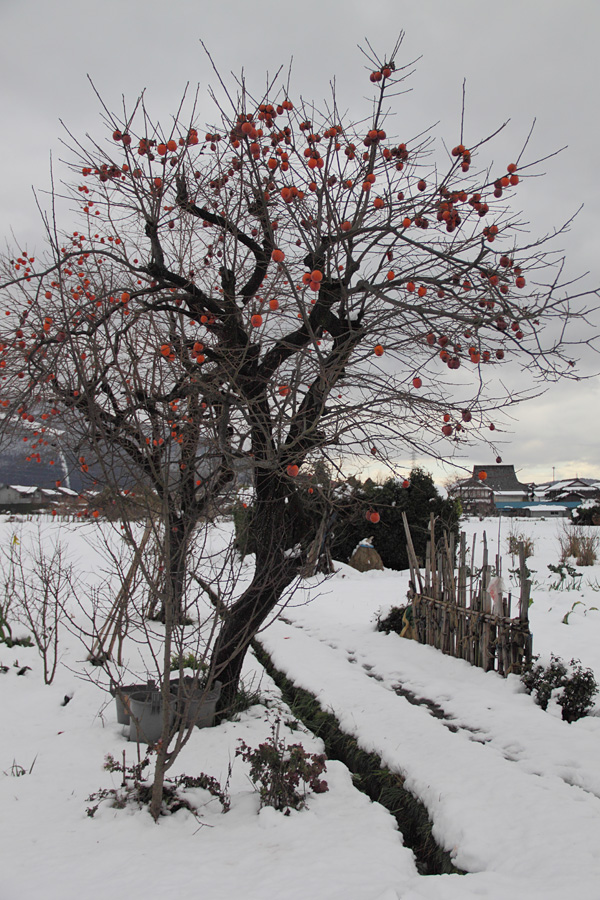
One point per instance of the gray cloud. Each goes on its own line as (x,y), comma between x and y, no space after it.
(521,60)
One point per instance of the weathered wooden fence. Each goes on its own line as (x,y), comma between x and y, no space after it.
(462,611)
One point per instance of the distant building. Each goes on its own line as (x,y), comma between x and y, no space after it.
(499,489)
(544,511)
(500,492)
(569,492)
(20,498)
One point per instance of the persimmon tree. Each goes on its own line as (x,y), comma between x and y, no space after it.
(283,286)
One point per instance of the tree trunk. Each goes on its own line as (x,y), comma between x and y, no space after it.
(242,623)
(275,569)
(162,748)
(158,783)
(176,546)
(277,526)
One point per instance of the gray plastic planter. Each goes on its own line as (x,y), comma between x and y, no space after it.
(146,720)
(122,694)
(196,703)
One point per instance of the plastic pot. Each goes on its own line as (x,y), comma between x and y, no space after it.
(197,705)
(146,719)
(122,694)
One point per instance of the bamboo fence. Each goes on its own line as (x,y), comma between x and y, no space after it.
(453,609)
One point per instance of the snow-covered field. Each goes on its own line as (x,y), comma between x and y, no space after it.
(513,792)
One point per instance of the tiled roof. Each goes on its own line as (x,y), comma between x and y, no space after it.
(499,478)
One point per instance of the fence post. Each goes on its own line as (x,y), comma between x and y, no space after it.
(433,557)
(525,645)
(461,596)
(412,556)
(525,586)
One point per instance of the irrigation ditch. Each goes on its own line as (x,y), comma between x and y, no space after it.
(368,773)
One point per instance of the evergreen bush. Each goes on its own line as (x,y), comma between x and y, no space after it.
(576,687)
(390,500)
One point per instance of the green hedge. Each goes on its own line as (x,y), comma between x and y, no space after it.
(390,500)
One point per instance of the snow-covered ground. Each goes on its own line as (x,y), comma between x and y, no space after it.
(513,792)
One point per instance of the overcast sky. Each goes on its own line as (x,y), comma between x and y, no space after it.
(522,60)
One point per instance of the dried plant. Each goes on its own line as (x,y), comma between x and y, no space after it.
(578,543)
(515,539)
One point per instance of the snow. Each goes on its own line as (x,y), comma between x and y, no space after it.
(545,507)
(513,792)
(588,504)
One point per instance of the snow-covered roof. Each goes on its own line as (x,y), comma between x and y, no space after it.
(567,483)
(517,490)
(22,488)
(544,507)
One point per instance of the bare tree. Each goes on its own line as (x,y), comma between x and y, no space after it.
(38,582)
(283,287)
